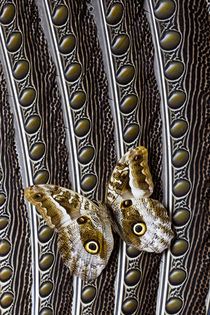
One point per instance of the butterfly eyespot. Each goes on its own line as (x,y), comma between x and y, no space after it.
(82,220)
(126,203)
(92,247)
(139,228)
(37,196)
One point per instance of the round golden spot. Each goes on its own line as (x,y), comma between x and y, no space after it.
(176,99)
(126,203)
(2,199)
(174,70)
(5,274)
(6,299)
(86,154)
(128,103)
(132,252)
(173,305)
(41,177)
(130,133)
(78,99)
(139,228)
(82,127)
(88,182)
(179,247)
(170,40)
(88,294)
(20,69)
(32,124)
(45,288)
(37,151)
(3,222)
(7,13)
(164,9)
(181,187)
(129,306)
(181,217)
(45,234)
(125,74)
(67,44)
(120,44)
(132,277)
(82,220)
(177,276)
(46,261)
(60,15)
(115,13)
(14,41)
(4,247)
(180,158)
(179,128)
(27,97)
(46,311)
(73,72)
(92,247)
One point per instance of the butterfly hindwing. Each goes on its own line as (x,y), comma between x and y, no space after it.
(142,223)
(85,238)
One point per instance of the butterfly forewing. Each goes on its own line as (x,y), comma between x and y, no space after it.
(131,176)
(85,238)
(140,179)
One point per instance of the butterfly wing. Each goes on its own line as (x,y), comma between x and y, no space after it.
(140,221)
(131,176)
(85,238)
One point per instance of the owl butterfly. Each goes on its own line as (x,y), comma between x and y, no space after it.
(84,230)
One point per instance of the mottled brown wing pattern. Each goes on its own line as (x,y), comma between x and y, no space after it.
(140,221)
(85,238)
(131,176)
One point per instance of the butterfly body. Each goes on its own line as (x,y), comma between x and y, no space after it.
(85,238)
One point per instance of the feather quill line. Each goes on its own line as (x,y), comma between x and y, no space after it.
(25,165)
(68,121)
(100,20)
(167,166)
